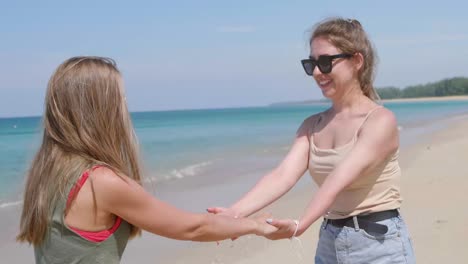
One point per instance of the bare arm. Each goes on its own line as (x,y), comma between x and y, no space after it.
(280,180)
(127,199)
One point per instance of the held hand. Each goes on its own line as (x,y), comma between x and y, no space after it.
(221,211)
(285,228)
(264,229)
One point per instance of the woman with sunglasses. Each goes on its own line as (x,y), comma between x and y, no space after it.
(350,150)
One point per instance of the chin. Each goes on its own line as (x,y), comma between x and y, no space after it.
(328,94)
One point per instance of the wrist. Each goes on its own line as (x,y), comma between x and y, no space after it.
(295,229)
(257,228)
(300,229)
(235,212)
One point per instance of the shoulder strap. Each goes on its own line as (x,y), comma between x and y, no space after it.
(367,117)
(78,184)
(319,118)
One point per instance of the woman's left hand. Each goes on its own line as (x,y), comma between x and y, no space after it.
(286,228)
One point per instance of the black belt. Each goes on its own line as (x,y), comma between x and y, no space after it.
(367,222)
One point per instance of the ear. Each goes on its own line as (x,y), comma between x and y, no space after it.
(358,60)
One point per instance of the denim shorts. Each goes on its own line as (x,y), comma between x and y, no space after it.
(350,245)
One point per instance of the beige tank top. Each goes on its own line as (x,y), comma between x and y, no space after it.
(377,189)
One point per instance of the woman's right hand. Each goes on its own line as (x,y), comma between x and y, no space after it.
(223,211)
(264,228)
(286,228)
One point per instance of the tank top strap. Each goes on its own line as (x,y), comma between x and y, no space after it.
(319,118)
(76,186)
(314,125)
(367,117)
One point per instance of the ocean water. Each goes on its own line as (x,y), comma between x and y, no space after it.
(185,144)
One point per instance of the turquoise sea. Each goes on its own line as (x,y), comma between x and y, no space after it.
(186,144)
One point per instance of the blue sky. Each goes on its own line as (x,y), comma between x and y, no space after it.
(214,54)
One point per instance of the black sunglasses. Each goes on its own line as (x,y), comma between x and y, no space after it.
(324,63)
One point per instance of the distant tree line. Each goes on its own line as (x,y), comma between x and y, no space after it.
(446,87)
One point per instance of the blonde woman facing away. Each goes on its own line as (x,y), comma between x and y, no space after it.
(351,151)
(83,199)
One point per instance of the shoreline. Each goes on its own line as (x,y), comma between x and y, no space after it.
(308,102)
(395,100)
(427,99)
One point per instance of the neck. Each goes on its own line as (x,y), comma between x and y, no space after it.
(352,99)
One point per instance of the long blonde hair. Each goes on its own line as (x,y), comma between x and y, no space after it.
(86,122)
(349,36)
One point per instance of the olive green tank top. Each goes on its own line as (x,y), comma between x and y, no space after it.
(63,245)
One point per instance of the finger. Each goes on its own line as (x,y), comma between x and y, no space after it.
(270,229)
(265,215)
(215,210)
(278,223)
(211,210)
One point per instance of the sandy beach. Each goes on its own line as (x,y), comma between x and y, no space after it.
(434,185)
(434,189)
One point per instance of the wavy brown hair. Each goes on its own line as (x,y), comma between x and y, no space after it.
(349,36)
(86,122)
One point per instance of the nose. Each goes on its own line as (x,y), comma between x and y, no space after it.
(316,72)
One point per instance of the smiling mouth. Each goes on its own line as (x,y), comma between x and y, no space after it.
(324,83)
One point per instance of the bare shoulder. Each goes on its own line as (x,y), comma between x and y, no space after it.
(382,117)
(381,129)
(107,181)
(105,175)
(308,123)
(114,192)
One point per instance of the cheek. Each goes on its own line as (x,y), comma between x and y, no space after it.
(345,75)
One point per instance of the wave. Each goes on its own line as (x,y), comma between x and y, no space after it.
(176,174)
(9,204)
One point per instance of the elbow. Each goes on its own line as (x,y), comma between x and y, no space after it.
(287,182)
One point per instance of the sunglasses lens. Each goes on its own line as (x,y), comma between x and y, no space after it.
(309,66)
(325,64)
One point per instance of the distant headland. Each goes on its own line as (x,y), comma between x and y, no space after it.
(447,89)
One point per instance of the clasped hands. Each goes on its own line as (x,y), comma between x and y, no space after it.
(273,229)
